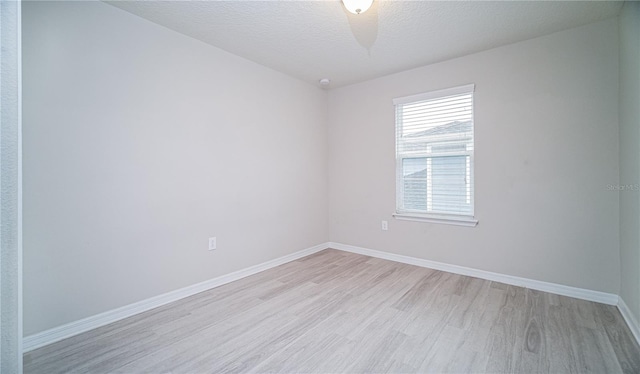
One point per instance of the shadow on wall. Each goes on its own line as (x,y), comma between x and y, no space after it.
(364,27)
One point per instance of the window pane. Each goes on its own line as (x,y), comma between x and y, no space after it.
(414,172)
(449,184)
(434,150)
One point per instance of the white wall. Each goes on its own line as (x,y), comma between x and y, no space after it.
(10,159)
(139,144)
(546,125)
(630,155)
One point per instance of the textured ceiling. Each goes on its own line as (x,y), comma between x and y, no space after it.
(310,40)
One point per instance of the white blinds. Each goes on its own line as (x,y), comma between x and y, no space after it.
(434,152)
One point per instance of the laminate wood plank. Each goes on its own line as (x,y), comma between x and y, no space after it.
(363,343)
(376,358)
(426,326)
(473,293)
(229,334)
(329,254)
(222,330)
(277,337)
(372,283)
(310,348)
(335,312)
(319,264)
(281,338)
(504,338)
(200,345)
(559,339)
(310,354)
(347,266)
(178,329)
(399,367)
(419,291)
(594,352)
(582,312)
(365,319)
(429,314)
(533,349)
(624,345)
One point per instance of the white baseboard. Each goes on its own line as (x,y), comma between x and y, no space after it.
(632,322)
(578,293)
(74,328)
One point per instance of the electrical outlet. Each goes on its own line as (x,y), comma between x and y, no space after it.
(212,243)
(385,225)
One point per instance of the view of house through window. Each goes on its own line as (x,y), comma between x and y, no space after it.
(434,152)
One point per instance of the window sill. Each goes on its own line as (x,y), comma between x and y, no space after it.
(448,220)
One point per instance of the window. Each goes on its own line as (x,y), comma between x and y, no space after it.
(434,156)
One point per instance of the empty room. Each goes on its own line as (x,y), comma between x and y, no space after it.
(339,186)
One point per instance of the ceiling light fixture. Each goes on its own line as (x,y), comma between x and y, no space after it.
(357,6)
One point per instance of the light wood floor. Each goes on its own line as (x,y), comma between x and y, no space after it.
(335,312)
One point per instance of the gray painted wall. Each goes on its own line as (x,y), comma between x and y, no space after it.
(546,127)
(139,144)
(10,250)
(630,156)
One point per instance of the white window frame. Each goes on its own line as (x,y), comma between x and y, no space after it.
(446,218)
